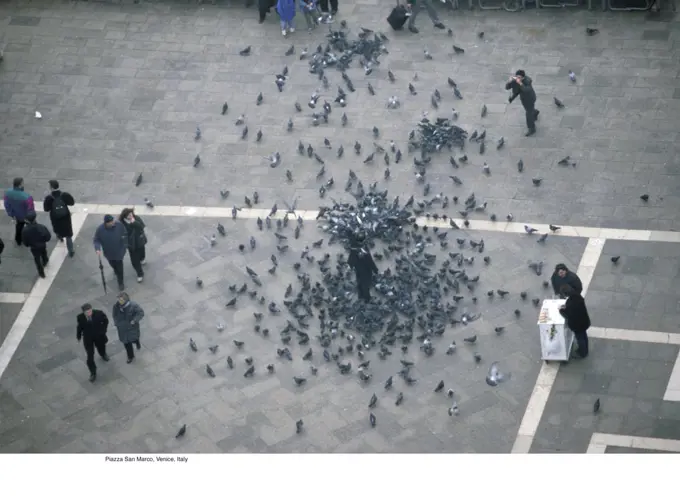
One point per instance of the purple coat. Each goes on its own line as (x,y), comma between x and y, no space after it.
(286,10)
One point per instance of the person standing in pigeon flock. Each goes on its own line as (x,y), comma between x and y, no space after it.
(136,242)
(111,239)
(56,203)
(562,276)
(18,204)
(92,326)
(361,260)
(126,316)
(414,7)
(576,314)
(310,10)
(286,10)
(36,236)
(326,16)
(522,86)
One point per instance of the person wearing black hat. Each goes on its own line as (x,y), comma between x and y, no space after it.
(36,236)
(562,276)
(111,238)
(364,266)
(576,315)
(521,85)
(92,327)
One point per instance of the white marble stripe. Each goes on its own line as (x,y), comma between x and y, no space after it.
(600,441)
(548,373)
(13,297)
(634,335)
(481,225)
(35,298)
(673,388)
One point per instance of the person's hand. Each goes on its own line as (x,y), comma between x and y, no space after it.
(510,98)
(132,322)
(99,252)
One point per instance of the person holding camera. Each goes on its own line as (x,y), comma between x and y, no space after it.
(521,85)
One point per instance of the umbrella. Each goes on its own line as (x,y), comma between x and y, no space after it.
(101,271)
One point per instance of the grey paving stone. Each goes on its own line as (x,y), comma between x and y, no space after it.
(631,404)
(632,450)
(641,291)
(103,75)
(167,386)
(8,314)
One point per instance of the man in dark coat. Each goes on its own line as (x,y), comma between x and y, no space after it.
(126,317)
(578,320)
(92,327)
(265,7)
(136,240)
(36,236)
(56,203)
(17,204)
(522,86)
(364,266)
(111,239)
(562,276)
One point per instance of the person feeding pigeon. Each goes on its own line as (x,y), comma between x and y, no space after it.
(521,85)
(578,320)
(562,276)
(310,10)
(364,266)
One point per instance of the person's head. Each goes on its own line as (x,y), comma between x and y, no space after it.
(54,185)
(123,298)
(18,183)
(127,214)
(561,269)
(520,73)
(87,309)
(566,290)
(30,217)
(109,221)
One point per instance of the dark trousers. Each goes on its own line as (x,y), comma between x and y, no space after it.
(364,289)
(98,343)
(18,229)
(323,5)
(582,343)
(264,7)
(137,256)
(41,259)
(131,351)
(531,115)
(117,266)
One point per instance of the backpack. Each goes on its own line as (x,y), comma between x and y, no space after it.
(59,208)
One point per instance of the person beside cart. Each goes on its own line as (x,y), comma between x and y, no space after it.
(562,276)
(576,315)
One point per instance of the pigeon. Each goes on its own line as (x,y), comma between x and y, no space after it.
(453,410)
(239,344)
(225,108)
(182,431)
(197,136)
(148,203)
(139,180)
(244,134)
(224,194)
(240,120)
(439,387)
(554,228)
(592,31)
(299,381)
(199,282)
(390,76)
(221,229)
(374,400)
(542,238)
(471,340)
(558,103)
(291,50)
(230,362)
(451,349)
(376,132)
(192,345)
(372,420)
(400,399)
(615,259)
(572,76)
(645,197)
(197,160)
(484,110)
(536,181)
(596,406)
(520,166)
(289,126)
(388,383)
(500,143)
(245,52)
(427,55)
(343,119)
(299,426)
(249,372)
(209,370)
(213,349)
(529,230)
(495,376)
(458,50)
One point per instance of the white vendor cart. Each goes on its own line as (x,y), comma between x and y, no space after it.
(556,338)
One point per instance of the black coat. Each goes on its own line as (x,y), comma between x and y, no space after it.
(576,313)
(92,329)
(570,279)
(264,6)
(135,232)
(363,264)
(62,227)
(526,92)
(35,236)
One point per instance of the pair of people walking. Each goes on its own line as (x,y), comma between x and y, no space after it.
(92,328)
(116,237)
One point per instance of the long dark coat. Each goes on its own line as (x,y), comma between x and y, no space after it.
(123,317)
(93,329)
(62,227)
(136,236)
(363,264)
(576,313)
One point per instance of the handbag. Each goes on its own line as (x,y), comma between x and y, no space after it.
(397,17)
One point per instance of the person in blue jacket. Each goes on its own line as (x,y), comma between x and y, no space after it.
(18,204)
(111,238)
(286,10)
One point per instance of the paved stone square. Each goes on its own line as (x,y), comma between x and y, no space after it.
(49,406)
(629,378)
(632,450)
(641,291)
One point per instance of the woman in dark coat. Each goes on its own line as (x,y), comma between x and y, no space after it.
(60,215)
(136,240)
(578,320)
(364,266)
(126,317)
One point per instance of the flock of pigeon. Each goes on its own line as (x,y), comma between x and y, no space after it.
(430,281)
